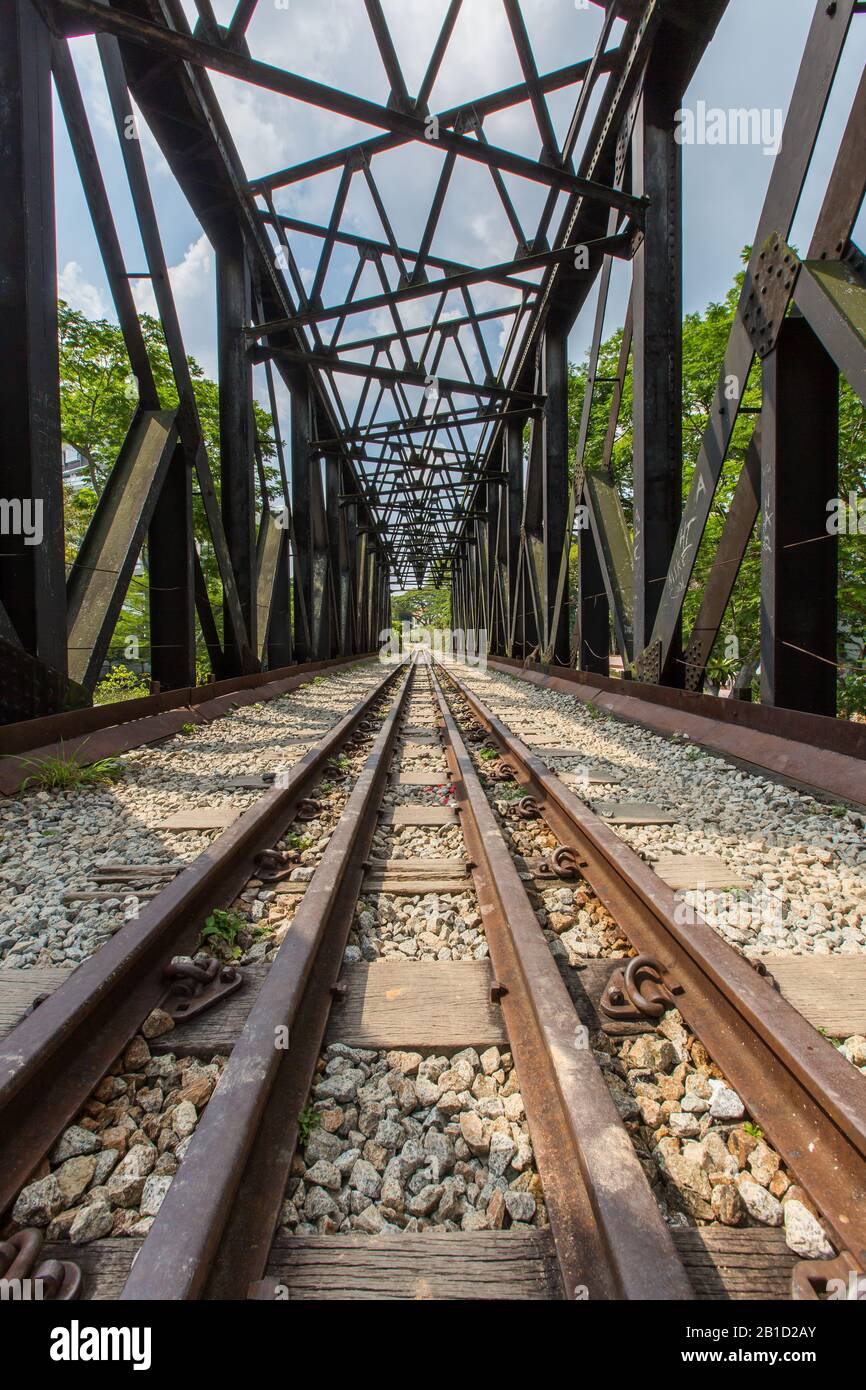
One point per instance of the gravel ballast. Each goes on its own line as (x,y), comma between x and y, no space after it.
(804,861)
(51,840)
(403,1142)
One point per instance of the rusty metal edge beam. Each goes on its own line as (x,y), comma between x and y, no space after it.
(52,1060)
(109,742)
(184,1244)
(828,754)
(801,1091)
(607,1227)
(29,736)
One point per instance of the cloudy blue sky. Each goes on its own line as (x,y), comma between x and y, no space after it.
(753,62)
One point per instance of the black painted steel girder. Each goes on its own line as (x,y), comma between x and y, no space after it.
(375,490)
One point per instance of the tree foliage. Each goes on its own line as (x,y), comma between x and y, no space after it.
(426,607)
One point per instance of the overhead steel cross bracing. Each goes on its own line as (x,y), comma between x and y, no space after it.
(419,396)
(154,38)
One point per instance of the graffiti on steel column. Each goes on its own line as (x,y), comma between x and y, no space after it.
(689,535)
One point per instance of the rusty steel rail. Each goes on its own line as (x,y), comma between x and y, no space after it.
(214,1230)
(212,1235)
(808,1099)
(52,1060)
(609,1235)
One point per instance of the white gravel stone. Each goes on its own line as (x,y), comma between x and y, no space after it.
(726,1104)
(804,1234)
(760,1203)
(50,841)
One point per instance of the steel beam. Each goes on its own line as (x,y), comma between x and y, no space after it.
(592,647)
(214,58)
(799,476)
(805,113)
(171,579)
(237,485)
(739,525)
(546,504)
(831,242)
(102,570)
(32,578)
(189,424)
(657,352)
(482,106)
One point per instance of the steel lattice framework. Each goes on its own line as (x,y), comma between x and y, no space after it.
(427,449)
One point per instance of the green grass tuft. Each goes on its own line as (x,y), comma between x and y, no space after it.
(58,773)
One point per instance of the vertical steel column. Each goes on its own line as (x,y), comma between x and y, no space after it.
(170,579)
(301,514)
(457,616)
(799,477)
(338,553)
(471,572)
(361,582)
(237,463)
(371,609)
(279,643)
(482,558)
(32,572)
(508,549)
(593,617)
(350,529)
(498,515)
(492,494)
(657,355)
(311,533)
(383,619)
(546,508)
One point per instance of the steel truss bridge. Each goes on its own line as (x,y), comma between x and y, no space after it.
(424,451)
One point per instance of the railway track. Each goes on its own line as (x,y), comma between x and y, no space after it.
(423,1116)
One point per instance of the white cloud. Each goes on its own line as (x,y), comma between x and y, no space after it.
(74,286)
(192,284)
(188,279)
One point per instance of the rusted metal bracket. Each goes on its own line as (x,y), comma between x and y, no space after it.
(638,992)
(273,865)
(197,983)
(563,863)
(57,1280)
(839,1279)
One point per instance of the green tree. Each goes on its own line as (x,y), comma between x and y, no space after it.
(428,607)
